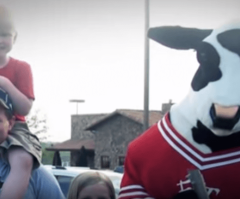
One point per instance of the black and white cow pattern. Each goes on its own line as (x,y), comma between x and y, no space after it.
(190,38)
(230,40)
(216,81)
(208,70)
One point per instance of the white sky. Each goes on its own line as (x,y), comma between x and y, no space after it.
(94,50)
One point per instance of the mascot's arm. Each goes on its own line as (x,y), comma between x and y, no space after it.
(131,187)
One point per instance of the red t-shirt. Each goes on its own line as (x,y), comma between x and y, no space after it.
(158,161)
(20,74)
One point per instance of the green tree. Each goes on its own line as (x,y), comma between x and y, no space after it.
(47,156)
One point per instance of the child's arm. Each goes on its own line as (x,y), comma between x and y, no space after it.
(21,103)
(16,184)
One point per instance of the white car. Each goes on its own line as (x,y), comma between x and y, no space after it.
(65,175)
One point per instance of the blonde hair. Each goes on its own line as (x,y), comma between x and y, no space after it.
(6,18)
(86,179)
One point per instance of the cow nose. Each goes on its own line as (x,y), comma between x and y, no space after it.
(225,112)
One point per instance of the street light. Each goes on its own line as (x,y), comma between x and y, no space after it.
(76,101)
(146,68)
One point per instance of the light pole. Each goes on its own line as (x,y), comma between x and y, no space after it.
(146,68)
(77,101)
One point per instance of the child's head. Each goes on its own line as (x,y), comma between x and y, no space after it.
(7,31)
(91,185)
(6,115)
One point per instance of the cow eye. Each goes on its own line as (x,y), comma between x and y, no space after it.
(207,55)
(202,56)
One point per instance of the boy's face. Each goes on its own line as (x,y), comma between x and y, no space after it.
(7,38)
(5,125)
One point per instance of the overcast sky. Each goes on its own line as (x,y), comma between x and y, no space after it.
(94,50)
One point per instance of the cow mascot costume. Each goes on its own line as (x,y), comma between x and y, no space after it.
(194,150)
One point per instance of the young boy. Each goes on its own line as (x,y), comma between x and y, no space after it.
(21,148)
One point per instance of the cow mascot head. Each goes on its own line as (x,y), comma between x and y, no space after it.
(209,116)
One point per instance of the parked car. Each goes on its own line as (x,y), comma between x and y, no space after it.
(65,175)
(119,169)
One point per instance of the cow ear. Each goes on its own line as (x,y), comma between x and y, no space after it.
(178,37)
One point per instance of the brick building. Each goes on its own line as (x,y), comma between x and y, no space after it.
(101,140)
(114,132)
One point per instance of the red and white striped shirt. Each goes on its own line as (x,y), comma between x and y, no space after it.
(158,161)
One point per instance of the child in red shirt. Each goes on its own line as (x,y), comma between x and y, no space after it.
(21,148)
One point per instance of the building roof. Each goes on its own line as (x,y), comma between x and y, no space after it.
(94,120)
(80,122)
(135,115)
(71,145)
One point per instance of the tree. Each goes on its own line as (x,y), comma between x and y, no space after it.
(37,124)
(47,156)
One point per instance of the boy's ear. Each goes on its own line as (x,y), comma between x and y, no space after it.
(178,37)
(11,123)
(15,37)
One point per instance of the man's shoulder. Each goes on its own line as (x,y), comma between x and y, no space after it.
(40,174)
(44,185)
(40,170)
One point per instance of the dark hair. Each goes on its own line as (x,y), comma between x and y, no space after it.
(8,113)
(89,178)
